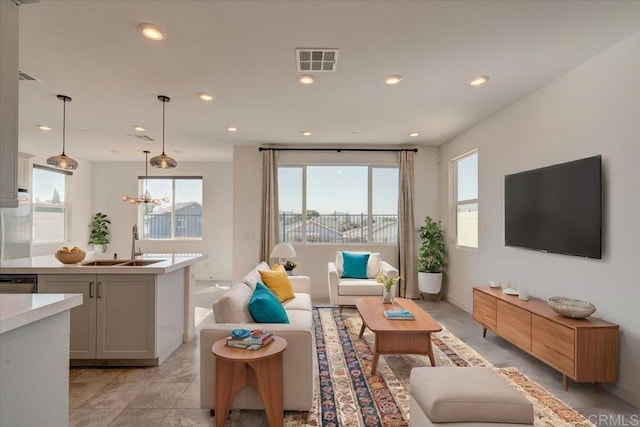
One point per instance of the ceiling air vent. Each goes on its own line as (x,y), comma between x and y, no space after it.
(26,77)
(143,137)
(317,60)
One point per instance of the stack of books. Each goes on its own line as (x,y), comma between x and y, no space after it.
(251,342)
(399,315)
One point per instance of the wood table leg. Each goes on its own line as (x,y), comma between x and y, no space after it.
(374,365)
(362,329)
(598,387)
(432,359)
(565,382)
(265,376)
(484,332)
(231,377)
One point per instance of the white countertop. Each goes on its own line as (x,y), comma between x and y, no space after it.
(48,264)
(17,310)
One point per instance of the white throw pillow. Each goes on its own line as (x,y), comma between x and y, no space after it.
(233,305)
(254,277)
(373,264)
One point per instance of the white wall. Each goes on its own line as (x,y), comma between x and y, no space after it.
(112,180)
(594,109)
(312,259)
(79,196)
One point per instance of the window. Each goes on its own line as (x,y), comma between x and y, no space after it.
(338,204)
(50,205)
(465,172)
(180,217)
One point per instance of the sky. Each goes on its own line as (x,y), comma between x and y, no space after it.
(338,189)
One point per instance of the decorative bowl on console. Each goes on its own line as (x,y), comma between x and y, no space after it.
(573,308)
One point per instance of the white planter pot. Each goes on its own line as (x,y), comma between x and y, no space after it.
(430,283)
(99,249)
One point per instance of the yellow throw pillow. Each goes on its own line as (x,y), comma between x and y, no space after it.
(278,282)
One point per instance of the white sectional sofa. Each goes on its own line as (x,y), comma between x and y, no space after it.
(231,312)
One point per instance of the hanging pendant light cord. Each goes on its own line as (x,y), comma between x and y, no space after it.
(64,124)
(163,104)
(146,170)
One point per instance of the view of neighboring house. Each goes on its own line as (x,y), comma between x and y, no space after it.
(337,228)
(188,221)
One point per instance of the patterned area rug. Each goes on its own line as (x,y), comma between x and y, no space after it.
(347,396)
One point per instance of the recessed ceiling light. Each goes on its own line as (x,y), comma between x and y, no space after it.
(138,128)
(306,133)
(479,81)
(393,79)
(306,79)
(205,96)
(44,127)
(151,31)
(413,134)
(232,129)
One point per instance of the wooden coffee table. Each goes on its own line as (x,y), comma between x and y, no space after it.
(397,336)
(261,369)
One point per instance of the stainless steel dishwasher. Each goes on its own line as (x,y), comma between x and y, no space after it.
(18,284)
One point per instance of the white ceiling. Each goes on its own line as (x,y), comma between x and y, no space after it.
(244,54)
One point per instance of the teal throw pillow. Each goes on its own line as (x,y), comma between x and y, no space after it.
(265,307)
(354,265)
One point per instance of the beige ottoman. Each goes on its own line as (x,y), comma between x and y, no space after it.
(465,397)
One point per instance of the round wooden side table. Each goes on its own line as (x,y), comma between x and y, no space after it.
(260,369)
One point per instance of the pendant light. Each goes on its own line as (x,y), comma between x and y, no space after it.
(63,161)
(145,198)
(163,161)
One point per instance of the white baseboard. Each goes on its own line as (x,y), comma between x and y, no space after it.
(624,394)
(461,305)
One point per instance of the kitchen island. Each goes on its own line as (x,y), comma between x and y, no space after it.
(34,349)
(132,315)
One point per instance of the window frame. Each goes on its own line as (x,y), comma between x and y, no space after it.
(66,206)
(173,222)
(458,203)
(370,190)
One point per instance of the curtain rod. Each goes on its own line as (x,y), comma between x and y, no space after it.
(415,150)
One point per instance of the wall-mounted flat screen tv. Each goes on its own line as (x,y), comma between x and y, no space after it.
(556,208)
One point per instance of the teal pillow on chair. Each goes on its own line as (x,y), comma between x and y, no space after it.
(265,307)
(354,265)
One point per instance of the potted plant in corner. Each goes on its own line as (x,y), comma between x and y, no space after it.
(431,257)
(99,235)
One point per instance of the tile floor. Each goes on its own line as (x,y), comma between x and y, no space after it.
(169,394)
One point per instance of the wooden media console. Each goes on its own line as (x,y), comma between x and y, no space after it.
(585,350)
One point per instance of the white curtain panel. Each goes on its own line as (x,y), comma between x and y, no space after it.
(270,221)
(406,229)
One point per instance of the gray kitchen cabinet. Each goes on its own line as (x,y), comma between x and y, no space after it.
(117,317)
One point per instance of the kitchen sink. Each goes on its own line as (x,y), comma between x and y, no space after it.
(140,262)
(120,263)
(104,263)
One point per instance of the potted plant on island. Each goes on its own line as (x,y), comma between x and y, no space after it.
(99,235)
(431,257)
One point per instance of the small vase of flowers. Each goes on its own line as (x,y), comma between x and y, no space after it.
(388,290)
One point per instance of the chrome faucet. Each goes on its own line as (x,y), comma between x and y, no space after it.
(134,237)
